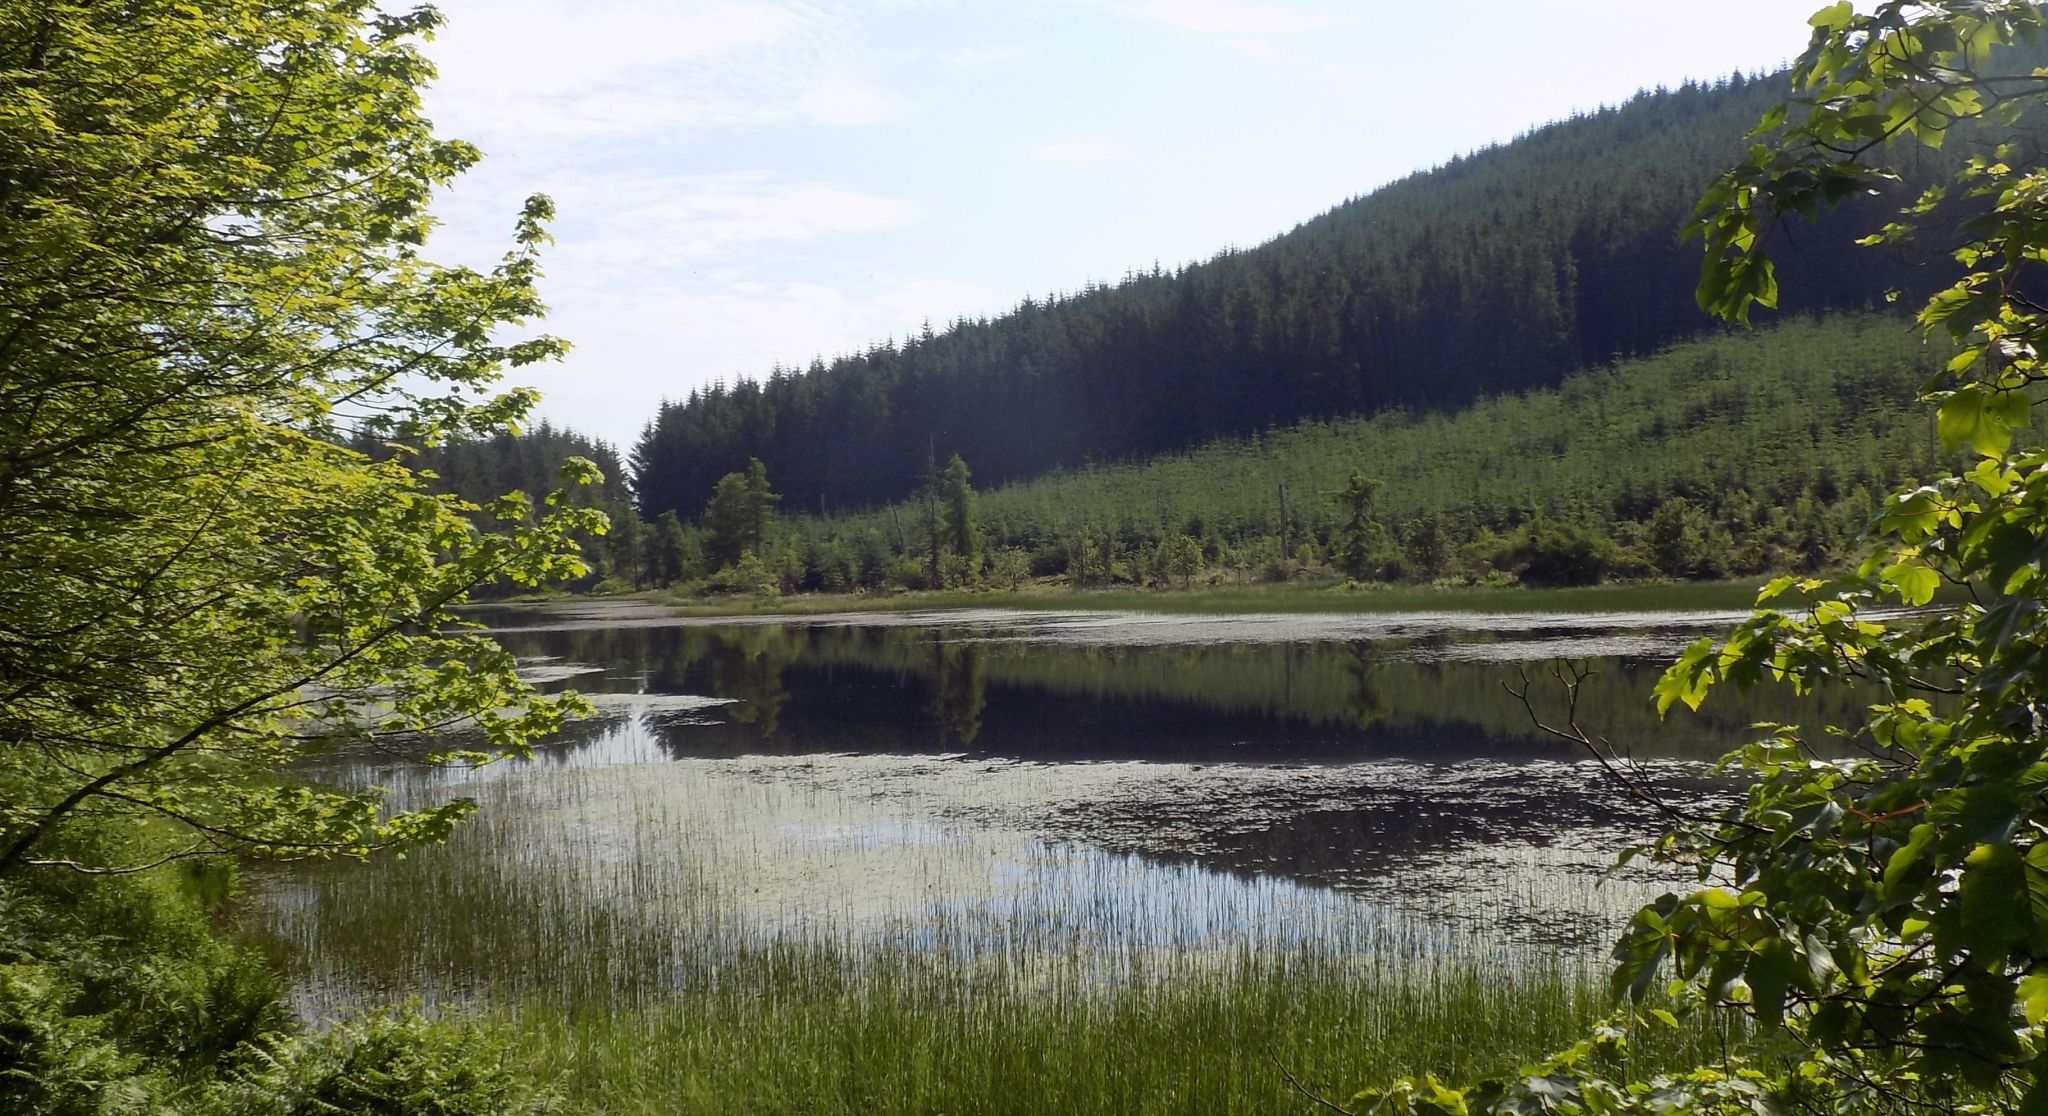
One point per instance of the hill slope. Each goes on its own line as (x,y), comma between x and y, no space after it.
(1728,454)
(1501,271)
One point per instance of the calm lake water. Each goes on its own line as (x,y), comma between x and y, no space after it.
(1063,797)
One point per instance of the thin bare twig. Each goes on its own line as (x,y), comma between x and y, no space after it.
(1305,1091)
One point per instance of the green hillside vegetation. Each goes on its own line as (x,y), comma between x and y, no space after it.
(1728,455)
(1498,272)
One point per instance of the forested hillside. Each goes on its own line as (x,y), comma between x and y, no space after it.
(1729,454)
(1504,270)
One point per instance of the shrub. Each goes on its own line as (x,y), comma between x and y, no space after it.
(395,1063)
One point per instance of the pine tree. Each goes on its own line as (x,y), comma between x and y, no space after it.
(962,534)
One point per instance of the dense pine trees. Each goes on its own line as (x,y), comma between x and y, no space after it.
(1725,455)
(1504,270)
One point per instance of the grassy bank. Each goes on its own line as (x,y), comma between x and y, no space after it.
(1218,1044)
(1325,596)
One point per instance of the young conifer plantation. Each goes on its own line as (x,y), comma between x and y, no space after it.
(1747,453)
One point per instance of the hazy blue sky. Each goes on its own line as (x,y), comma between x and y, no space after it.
(742,183)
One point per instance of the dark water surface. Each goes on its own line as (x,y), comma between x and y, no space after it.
(996,784)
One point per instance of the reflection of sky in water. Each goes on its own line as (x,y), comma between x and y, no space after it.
(840,836)
(1185,907)
(624,841)
(1640,645)
(997,860)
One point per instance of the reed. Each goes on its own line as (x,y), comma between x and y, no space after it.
(756,936)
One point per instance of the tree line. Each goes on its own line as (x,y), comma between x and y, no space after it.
(1726,455)
(1732,454)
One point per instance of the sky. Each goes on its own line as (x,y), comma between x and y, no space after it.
(746,184)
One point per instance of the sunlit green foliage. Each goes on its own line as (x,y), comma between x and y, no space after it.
(481,469)
(957,521)
(209,271)
(740,516)
(123,996)
(211,286)
(393,1063)
(1889,911)
(1360,543)
(114,991)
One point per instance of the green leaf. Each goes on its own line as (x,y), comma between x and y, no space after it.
(2033,995)
(1687,679)
(1834,17)
(2012,407)
(1899,870)
(1980,418)
(1915,584)
(1994,877)
(2037,899)
(1770,974)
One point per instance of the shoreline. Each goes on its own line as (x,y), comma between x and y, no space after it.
(1717,596)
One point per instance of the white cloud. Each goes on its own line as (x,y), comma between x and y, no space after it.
(1077,151)
(528,73)
(1233,17)
(1252,48)
(664,281)
(616,223)
(669,266)
(651,220)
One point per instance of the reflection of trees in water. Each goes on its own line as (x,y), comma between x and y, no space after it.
(1367,706)
(959,689)
(1389,686)
(750,664)
(892,688)
(752,677)
(1385,834)
(743,665)
(580,735)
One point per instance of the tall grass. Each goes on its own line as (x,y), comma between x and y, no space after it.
(752,936)
(1224,1041)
